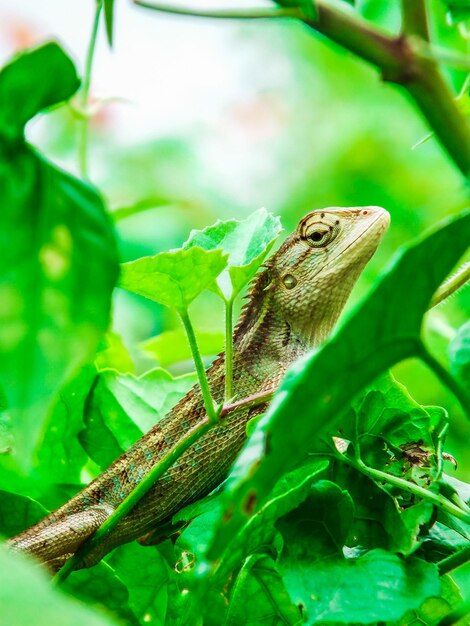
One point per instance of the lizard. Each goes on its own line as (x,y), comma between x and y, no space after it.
(292,306)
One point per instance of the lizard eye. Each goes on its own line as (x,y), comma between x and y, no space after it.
(318,235)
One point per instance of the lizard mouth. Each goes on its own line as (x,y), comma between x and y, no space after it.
(382,216)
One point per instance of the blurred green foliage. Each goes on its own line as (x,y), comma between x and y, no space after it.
(324,132)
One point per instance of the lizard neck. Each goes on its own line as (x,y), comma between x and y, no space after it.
(264,343)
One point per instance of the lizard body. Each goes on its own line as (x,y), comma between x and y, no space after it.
(293,305)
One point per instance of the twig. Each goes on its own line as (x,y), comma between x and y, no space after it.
(84,94)
(129,503)
(398,60)
(415,18)
(453,561)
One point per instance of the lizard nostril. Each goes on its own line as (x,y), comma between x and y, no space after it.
(365,212)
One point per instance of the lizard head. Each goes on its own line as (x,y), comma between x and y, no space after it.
(306,283)
(313,273)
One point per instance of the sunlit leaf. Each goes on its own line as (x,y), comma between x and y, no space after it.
(247,243)
(173,278)
(172,346)
(59,254)
(123,407)
(114,355)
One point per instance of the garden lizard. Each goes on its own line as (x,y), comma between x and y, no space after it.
(292,306)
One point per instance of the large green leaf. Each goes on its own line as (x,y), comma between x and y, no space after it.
(259,596)
(288,493)
(59,254)
(26,597)
(123,407)
(247,243)
(26,89)
(172,346)
(173,278)
(378,586)
(378,333)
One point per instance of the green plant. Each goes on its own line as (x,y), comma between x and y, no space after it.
(349,517)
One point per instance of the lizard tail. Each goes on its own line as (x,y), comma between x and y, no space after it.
(53,541)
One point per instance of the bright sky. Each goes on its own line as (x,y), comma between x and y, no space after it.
(173,71)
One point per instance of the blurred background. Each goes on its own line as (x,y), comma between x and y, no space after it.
(197,120)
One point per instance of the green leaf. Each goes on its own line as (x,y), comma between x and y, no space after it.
(369,342)
(60,457)
(109,19)
(25,89)
(172,346)
(145,575)
(59,254)
(458,10)
(26,597)
(18,512)
(259,596)
(173,278)
(436,608)
(124,407)
(379,522)
(378,586)
(246,242)
(114,355)
(103,589)
(459,353)
(292,489)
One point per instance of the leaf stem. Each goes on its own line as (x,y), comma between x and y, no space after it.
(451,285)
(454,617)
(396,57)
(163,464)
(133,498)
(448,380)
(200,369)
(83,122)
(260,13)
(228,350)
(380,476)
(453,561)
(245,403)
(414,18)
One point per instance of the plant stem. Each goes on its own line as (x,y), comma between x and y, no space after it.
(134,497)
(397,58)
(151,478)
(435,498)
(414,18)
(453,561)
(228,350)
(454,617)
(445,377)
(261,13)
(451,285)
(200,369)
(245,403)
(401,63)
(84,93)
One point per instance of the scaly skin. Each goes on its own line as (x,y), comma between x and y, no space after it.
(293,305)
